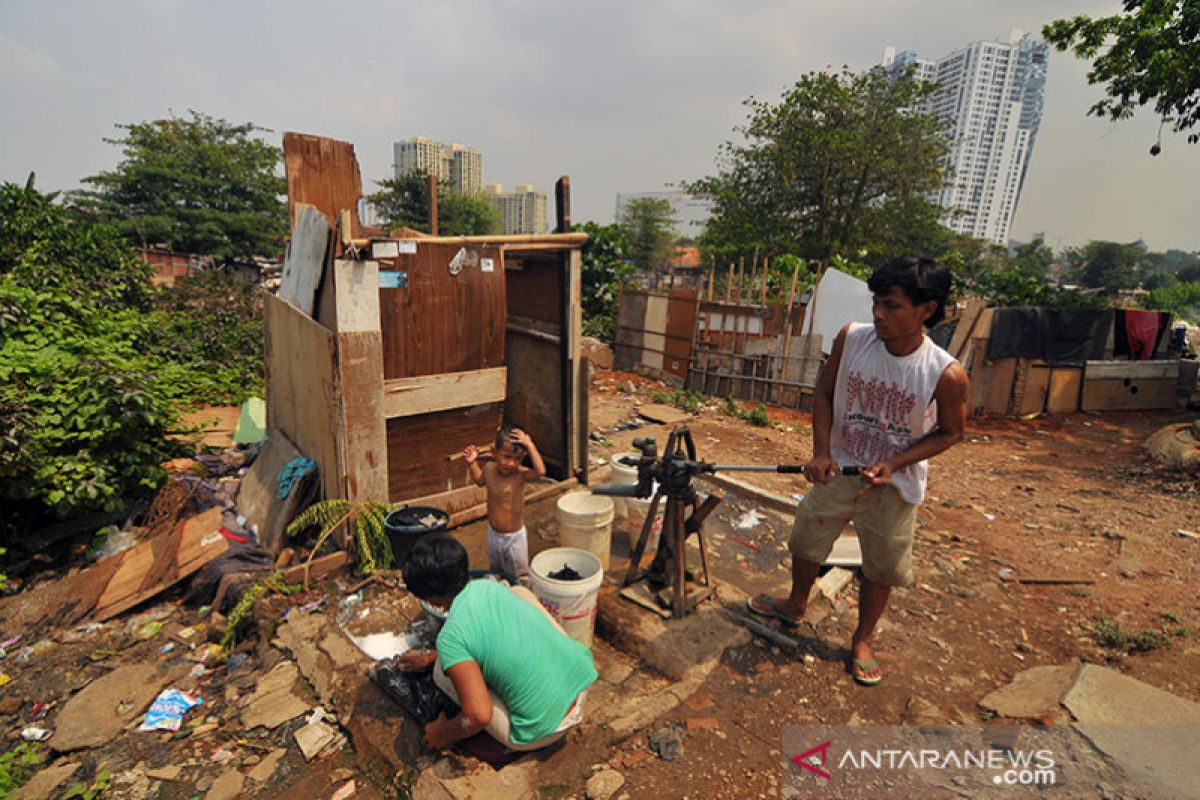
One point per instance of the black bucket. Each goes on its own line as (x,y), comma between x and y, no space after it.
(407,524)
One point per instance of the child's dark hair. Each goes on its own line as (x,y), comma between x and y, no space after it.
(436,567)
(920,277)
(504,436)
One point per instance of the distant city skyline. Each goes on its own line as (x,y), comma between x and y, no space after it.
(458,166)
(643,101)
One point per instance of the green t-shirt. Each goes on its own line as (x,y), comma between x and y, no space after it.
(536,670)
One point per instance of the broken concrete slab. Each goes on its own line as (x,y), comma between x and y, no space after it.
(1034,694)
(98,713)
(170,772)
(273,702)
(227,787)
(313,738)
(695,642)
(517,781)
(381,730)
(834,581)
(1151,734)
(604,784)
(263,770)
(847,553)
(324,654)
(45,783)
(668,415)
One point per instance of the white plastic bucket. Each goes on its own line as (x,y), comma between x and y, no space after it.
(636,511)
(572,603)
(585,522)
(622,475)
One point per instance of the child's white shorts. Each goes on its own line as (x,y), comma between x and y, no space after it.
(508,554)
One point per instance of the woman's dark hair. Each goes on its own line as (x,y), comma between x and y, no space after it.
(920,277)
(436,567)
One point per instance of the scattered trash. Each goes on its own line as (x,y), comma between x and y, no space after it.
(565,574)
(1006,573)
(198,671)
(5,678)
(667,743)
(1187,534)
(26,654)
(797,496)
(745,543)
(167,648)
(749,520)
(167,711)
(10,641)
(32,734)
(235,662)
(313,738)
(148,630)
(38,710)
(989,517)
(347,791)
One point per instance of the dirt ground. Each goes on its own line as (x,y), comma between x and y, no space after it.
(1072,497)
(1036,535)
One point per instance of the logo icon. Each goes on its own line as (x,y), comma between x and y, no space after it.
(810,760)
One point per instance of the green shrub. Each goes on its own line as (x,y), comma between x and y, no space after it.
(1110,634)
(16,767)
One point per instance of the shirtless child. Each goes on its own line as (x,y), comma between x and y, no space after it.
(505,479)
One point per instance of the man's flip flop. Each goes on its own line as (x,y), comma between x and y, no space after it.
(862,679)
(764,606)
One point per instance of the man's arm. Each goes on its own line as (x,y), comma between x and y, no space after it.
(951,397)
(538,470)
(821,468)
(473,699)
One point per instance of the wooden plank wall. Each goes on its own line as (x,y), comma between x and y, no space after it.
(419,448)
(301,359)
(324,174)
(441,322)
(681,332)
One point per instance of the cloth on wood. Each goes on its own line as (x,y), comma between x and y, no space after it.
(414,691)
(291,473)
(239,558)
(1137,332)
(1057,335)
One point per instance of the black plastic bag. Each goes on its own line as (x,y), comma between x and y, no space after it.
(414,691)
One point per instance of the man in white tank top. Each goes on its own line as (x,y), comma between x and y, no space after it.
(887,400)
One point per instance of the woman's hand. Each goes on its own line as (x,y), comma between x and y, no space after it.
(440,733)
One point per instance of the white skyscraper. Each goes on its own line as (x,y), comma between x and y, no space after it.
(990,96)
(458,166)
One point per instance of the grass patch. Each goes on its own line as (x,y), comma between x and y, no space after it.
(1110,634)
(1077,591)
(756,416)
(684,399)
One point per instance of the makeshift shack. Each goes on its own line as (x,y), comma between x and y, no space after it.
(387,356)
(1033,360)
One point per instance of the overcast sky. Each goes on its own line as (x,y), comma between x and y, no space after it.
(622,96)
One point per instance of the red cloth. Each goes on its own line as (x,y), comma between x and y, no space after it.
(1142,329)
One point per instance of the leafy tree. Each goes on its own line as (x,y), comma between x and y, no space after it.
(1033,258)
(404,202)
(649,224)
(840,164)
(1181,299)
(94,362)
(1148,52)
(1111,266)
(197,185)
(606,267)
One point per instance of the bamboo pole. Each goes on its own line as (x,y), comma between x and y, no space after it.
(740,274)
(728,281)
(762,300)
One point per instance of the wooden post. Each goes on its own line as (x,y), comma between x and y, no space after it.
(787,328)
(728,283)
(712,276)
(741,272)
(766,272)
(753,273)
(562,204)
(433,205)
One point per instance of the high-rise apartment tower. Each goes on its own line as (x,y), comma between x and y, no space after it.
(990,97)
(458,166)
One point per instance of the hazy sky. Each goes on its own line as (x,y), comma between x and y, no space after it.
(622,96)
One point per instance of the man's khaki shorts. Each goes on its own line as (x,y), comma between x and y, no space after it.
(884,521)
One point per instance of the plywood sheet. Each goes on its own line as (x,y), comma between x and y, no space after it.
(258,497)
(1034,386)
(535,397)
(360,377)
(968,322)
(992,386)
(1132,370)
(1111,394)
(654,339)
(305,260)
(1065,386)
(631,322)
(302,399)
(356,290)
(153,566)
(324,174)
(418,449)
(839,298)
(406,397)
(441,322)
(681,327)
